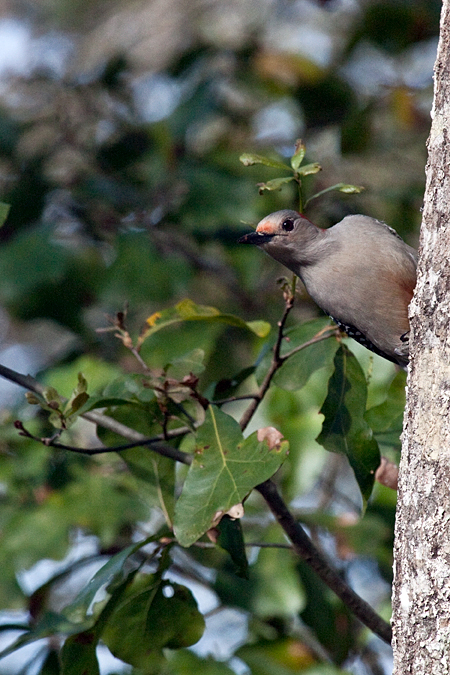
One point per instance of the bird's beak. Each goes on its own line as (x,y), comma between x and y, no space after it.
(257,238)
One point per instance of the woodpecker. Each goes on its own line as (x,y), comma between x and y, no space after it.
(360,272)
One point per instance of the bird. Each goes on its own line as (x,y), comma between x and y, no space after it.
(360,272)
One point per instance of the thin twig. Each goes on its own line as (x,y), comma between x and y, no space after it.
(323,334)
(278,359)
(304,547)
(250,544)
(140,360)
(275,364)
(154,443)
(232,399)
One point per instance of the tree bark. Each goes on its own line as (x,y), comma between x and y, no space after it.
(421,596)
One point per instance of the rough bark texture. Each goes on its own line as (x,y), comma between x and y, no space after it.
(421,600)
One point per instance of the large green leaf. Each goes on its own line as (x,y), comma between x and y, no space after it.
(226,467)
(186,310)
(153,615)
(156,476)
(51,664)
(344,428)
(192,362)
(79,650)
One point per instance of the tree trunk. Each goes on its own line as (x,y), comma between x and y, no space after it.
(421,597)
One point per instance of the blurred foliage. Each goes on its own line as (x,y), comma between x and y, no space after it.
(119,260)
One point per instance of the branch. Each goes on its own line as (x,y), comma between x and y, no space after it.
(312,556)
(154,443)
(137,439)
(25,381)
(323,334)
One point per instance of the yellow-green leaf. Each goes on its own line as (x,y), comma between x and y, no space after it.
(249,159)
(350,189)
(299,155)
(309,169)
(275,184)
(187,310)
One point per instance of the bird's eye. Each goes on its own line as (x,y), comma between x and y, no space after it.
(288,225)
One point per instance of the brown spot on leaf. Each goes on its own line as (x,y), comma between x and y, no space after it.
(272,436)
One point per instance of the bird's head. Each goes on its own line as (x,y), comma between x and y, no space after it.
(278,224)
(286,236)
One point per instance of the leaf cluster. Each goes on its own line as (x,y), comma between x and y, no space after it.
(298,172)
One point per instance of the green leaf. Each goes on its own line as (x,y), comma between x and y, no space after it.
(107,578)
(80,649)
(4,210)
(192,362)
(249,159)
(297,369)
(185,662)
(350,189)
(186,310)
(224,470)
(105,402)
(152,616)
(52,397)
(259,327)
(384,416)
(51,664)
(342,187)
(76,403)
(231,540)
(345,429)
(275,184)
(277,595)
(156,476)
(78,397)
(57,420)
(299,155)
(309,169)
(78,655)
(129,388)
